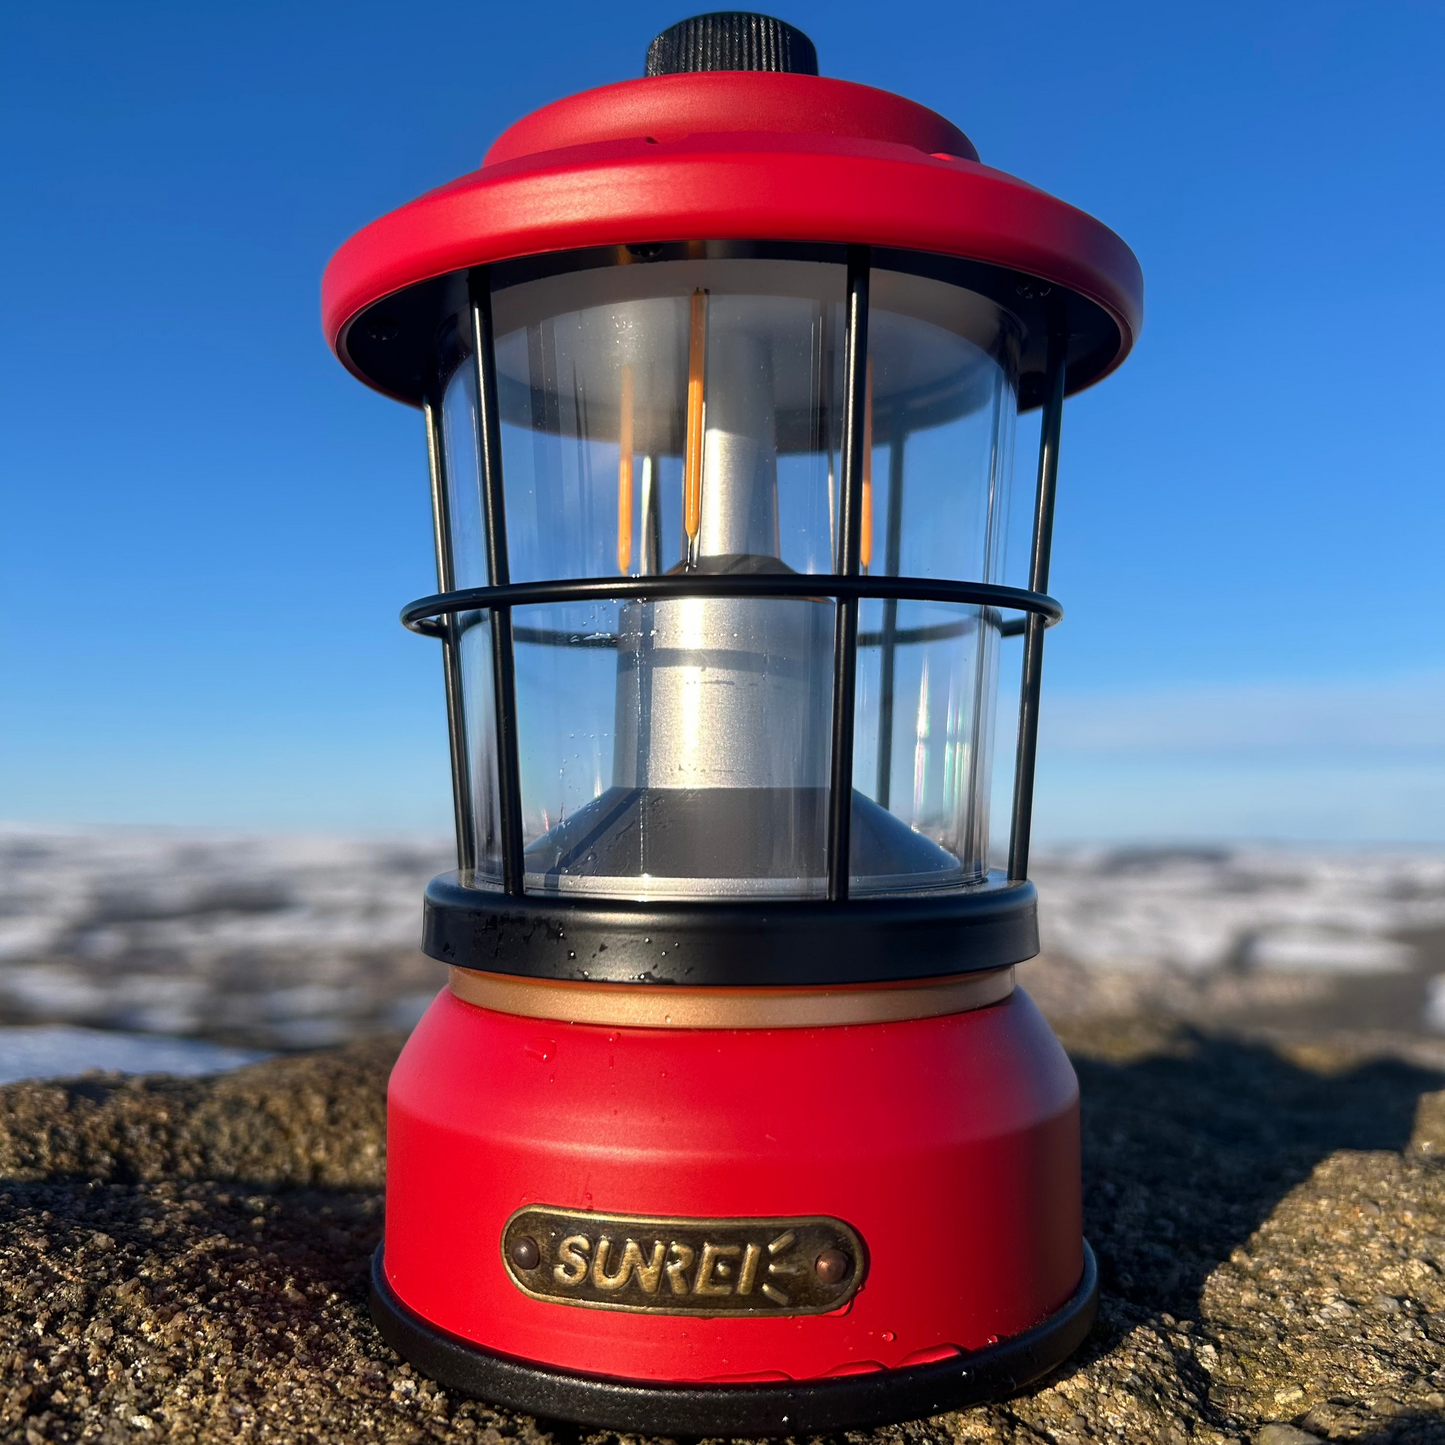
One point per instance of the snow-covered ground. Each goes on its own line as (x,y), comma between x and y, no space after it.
(47,1051)
(1303,940)
(269,942)
(284,942)
(1199,910)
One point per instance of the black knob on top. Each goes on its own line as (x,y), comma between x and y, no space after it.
(731,40)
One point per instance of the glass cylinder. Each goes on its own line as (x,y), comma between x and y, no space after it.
(683,417)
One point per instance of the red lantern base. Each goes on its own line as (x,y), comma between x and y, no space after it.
(949,1145)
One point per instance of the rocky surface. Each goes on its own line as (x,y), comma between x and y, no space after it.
(185,1259)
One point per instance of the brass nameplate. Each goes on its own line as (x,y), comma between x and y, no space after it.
(804,1266)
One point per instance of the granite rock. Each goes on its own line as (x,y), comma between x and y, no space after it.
(186,1259)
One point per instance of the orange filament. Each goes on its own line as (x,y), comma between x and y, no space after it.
(865,540)
(624,475)
(696,379)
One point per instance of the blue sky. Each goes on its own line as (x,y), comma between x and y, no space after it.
(208,526)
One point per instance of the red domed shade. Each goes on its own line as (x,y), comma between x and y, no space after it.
(730,156)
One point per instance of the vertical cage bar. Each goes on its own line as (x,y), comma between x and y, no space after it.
(891,560)
(980,752)
(1033,664)
(494,523)
(850,544)
(462,802)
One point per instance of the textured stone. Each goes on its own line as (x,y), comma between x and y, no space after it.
(186,1260)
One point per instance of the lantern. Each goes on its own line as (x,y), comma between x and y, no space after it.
(732,1120)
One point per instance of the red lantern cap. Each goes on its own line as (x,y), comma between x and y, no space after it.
(735,156)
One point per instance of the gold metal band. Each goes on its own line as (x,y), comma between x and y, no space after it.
(653,1006)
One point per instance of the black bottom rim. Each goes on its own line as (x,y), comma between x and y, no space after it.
(731,943)
(806,1408)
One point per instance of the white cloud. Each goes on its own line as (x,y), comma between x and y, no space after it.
(1359,761)
(1233,797)
(1387,715)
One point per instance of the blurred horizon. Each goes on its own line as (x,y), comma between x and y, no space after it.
(1098,846)
(295,942)
(210,526)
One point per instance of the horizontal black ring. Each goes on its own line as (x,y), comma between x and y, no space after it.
(417,615)
(902,637)
(556,637)
(745,943)
(794,1408)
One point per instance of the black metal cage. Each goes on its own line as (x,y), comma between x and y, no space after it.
(837,940)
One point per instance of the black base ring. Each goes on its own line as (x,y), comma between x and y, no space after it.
(813,1407)
(731,944)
